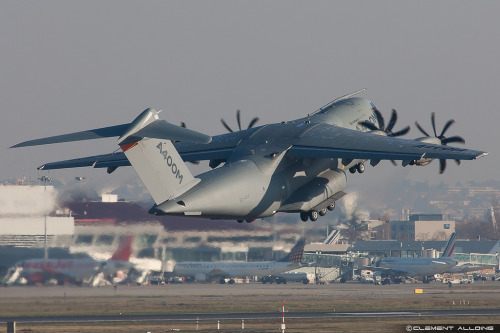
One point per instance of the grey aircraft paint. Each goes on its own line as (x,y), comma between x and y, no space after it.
(296,167)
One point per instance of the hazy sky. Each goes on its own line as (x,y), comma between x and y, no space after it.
(69,66)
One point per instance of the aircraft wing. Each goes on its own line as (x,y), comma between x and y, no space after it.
(400,271)
(220,147)
(218,273)
(329,141)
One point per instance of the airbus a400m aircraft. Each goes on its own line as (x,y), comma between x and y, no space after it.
(294,166)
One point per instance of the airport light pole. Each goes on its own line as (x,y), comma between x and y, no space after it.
(46,250)
(283,322)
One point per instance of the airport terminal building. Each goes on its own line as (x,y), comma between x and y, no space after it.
(90,227)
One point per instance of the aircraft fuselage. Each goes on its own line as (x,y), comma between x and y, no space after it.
(418,267)
(257,180)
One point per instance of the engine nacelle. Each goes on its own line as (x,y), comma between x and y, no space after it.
(317,191)
(424,161)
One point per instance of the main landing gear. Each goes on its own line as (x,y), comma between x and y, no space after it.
(248,221)
(313,215)
(360,167)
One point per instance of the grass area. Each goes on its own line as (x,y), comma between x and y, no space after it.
(298,299)
(242,304)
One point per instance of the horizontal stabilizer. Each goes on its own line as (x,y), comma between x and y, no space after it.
(160,129)
(134,131)
(105,132)
(117,159)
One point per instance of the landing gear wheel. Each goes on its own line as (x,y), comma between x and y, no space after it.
(360,168)
(304,216)
(352,170)
(313,215)
(322,212)
(240,221)
(331,206)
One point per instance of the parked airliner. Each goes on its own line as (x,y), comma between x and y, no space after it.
(203,271)
(418,267)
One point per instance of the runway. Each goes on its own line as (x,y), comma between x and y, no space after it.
(247,316)
(206,303)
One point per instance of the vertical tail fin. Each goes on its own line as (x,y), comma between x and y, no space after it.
(147,146)
(124,249)
(296,253)
(450,246)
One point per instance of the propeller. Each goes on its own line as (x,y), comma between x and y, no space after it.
(381,128)
(444,140)
(381,124)
(238,120)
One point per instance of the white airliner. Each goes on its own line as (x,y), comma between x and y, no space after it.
(467,267)
(203,271)
(419,267)
(74,270)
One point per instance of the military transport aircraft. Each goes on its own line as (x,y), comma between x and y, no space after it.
(294,166)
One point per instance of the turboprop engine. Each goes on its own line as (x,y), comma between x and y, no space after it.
(438,140)
(317,196)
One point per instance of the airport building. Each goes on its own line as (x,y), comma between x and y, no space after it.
(422,227)
(29,218)
(96,227)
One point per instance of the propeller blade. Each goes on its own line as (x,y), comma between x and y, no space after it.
(368,125)
(421,129)
(452,139)
(433,121)
(392,121)
(380,119)
(445,128)
(444,141)
(238,121)
(253,122)
(394,163)
(226,125)
(442,166)
(238,118)
(401,132)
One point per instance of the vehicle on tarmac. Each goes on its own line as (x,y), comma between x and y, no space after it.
(273,279)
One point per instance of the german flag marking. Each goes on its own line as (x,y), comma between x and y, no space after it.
(127,147)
